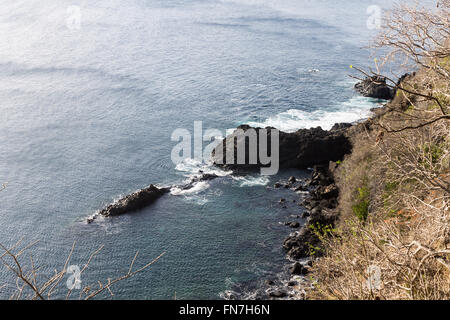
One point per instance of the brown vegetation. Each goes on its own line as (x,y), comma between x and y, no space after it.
(393,238)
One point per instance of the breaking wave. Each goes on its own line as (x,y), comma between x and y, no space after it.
(356,109)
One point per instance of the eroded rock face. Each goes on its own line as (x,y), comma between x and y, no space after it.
(375,87)
(301,149)
(134,201)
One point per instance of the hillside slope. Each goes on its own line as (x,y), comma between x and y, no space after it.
(392,240)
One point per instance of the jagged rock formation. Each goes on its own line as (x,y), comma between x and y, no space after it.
(320,205)
(145,197)
(375,87)
(134,201)
(301,149)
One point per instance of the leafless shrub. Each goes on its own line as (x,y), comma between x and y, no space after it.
(402,161)
(417,36)
(31,286)
(407,231)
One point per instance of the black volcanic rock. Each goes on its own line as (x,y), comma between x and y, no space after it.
(145,197)
(327,192)
(194,180)
(301,149)
(320,177)
(294,225)
(375,87)
(134,201)
(298,269)
(278,293)
(321,205)
(270,282)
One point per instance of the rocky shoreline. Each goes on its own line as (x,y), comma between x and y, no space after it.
(300,149)
(319,210)
(321,204)
(323,150)
(305,148)
(317,199)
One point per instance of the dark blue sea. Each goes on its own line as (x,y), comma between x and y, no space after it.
(87,109)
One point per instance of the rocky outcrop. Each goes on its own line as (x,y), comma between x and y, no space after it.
(277,293)
(134,201)
(375,87)
(298,269)
(194,180)
(301,149)
(145,197)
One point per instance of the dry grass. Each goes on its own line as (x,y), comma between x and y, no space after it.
(409,252)
(393,237)
(401,181)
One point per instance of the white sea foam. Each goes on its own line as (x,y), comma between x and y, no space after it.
(252,181)
(196,188)
(355,109)
(200,199)
(193,167)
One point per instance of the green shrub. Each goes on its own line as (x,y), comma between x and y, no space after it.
(434,151)
(361,207)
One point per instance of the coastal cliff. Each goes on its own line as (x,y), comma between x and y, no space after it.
(388,235)
(377,210)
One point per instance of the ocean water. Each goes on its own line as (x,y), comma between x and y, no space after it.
(87,111)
